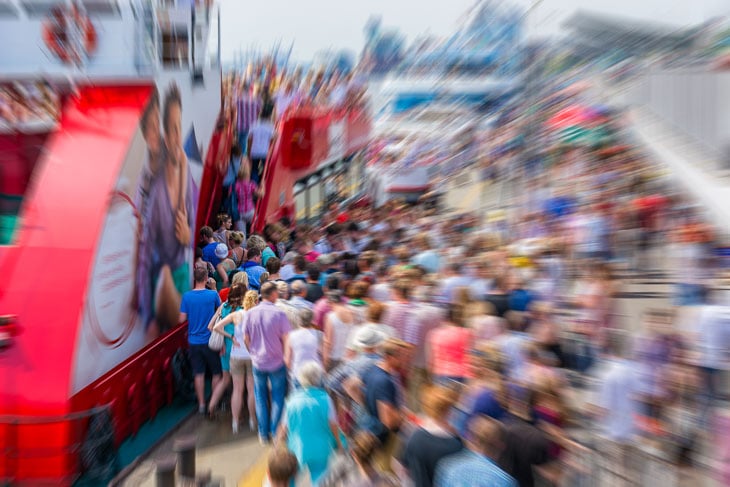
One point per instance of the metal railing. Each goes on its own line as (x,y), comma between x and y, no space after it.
(602,463)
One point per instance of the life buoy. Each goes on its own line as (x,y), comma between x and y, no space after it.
(123,330)
(58,31)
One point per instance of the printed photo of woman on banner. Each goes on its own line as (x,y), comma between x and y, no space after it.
(165,262)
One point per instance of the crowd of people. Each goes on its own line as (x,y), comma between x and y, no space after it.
(264,82)
(257,101)
(24,105)
(387,344)
(391,345)
(261,96)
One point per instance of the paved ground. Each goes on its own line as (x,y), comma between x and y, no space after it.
(228,458)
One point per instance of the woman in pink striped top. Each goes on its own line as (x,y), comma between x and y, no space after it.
(246,190)
(447,349)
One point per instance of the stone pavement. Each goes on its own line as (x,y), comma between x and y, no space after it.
(228,458)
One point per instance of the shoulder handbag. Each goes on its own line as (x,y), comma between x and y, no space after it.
(216,340)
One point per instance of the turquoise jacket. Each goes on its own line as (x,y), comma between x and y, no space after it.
(308,414)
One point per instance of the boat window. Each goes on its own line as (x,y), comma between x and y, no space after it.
(41,8)
(175,46)
(103,7)
(7,9)
(38,8)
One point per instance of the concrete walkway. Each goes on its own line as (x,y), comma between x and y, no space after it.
(233,460)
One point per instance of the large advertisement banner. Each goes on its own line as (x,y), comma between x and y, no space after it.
(144,255)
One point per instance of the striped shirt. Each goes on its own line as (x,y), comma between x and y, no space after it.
(422,320)
(398,315)
(246,191)
(248,108)
(469,469)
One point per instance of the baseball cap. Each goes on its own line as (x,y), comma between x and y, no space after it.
(368,336)
(221,251)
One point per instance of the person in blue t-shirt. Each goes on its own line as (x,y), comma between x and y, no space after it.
(253,268)
(519,297)
(300,270)
(378,392)
(198,307)
(207,236)
(559,206)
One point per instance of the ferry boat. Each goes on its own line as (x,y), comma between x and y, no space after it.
(110,113)
(313,144)
(114,140)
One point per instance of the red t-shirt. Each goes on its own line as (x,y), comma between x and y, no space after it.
(311,256)
(450,351)
(648,208)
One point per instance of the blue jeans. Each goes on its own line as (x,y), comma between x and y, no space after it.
(689,294)
(709,394)
(580,353)
(243,140)
(268,416)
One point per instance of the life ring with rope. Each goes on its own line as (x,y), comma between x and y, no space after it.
(58,34)
(92,310)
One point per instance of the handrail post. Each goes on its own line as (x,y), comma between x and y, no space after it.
(185,449)
(165,474)
(203,479)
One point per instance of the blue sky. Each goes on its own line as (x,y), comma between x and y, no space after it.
(314,25)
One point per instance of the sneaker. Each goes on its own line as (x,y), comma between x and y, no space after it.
(201,410)
(265,441)
(251,426)
(234,428)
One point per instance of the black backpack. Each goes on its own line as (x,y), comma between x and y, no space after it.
(182,372)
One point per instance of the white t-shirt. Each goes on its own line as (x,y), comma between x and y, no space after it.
(688,262)
(618,382)
(283,101)
(340,331)
(261,132)
(338,95)
(239,352)
(305,345)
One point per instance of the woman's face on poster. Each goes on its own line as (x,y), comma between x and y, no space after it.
(173,133)
(152,131)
